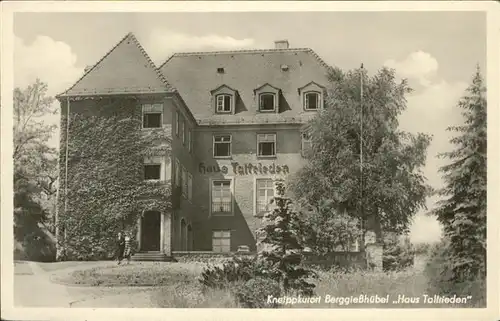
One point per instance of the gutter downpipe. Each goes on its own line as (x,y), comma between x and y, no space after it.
(66,165)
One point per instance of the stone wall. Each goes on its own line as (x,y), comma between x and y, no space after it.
(205,256)
(337,259)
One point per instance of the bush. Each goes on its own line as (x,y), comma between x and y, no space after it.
(37,246)
(423,248)
(239,269)
(254,293)
(397,255)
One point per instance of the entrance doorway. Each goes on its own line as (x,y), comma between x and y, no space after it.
(183,235)
(150,231)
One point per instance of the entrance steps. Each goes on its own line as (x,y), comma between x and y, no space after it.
(152,256)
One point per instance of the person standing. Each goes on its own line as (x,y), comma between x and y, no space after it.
(120,247)
(127,248)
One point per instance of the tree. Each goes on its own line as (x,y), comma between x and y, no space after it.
(389,188)
(462,212)
(34,166)
(324,230)
(282,249)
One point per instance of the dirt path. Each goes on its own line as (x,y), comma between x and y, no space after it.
(33,288)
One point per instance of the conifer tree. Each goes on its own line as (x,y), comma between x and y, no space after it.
(282,250)
(463,210)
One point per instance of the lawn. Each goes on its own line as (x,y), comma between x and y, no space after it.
(56,266)
(133,274)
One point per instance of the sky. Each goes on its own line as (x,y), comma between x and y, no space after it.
(436,51)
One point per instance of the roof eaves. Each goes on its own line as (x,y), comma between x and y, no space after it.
(101,95)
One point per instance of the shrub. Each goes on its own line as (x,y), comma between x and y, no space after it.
(239,269)
(397,254)
(254,293)
(423,248)
(325,230)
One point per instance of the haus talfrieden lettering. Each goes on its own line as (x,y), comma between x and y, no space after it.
(244,169)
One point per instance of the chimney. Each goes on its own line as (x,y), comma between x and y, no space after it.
(281,44)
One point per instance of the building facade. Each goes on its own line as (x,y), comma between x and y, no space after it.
(236,121)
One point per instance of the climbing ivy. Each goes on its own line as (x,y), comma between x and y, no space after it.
(106,192)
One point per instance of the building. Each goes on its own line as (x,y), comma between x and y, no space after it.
(236,120)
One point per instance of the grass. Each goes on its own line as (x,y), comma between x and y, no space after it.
(133,274)
(190,295)
(56,266)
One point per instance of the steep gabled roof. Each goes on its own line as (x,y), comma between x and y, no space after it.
(195,75)
(125,69)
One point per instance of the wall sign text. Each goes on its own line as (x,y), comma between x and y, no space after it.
(244,169)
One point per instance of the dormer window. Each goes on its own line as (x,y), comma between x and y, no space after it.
(267,97)
(312,100)
(224,103)
(312,96)
(267,102)
(224,98)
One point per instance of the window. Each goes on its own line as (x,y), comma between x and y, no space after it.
(182,131)
(222,199)
(306,143)
(224,103)
(152,115)
(267,102)
(311,101)
(265,193)
(152,172)
(177,173)
(190,186)
(266,145)
(222,145)
(221,241)
(190,140)
(177,118)
(184,182)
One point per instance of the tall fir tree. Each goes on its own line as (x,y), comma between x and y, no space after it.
(462,212)
(282,251)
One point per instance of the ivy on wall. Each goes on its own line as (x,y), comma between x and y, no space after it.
(106,192)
